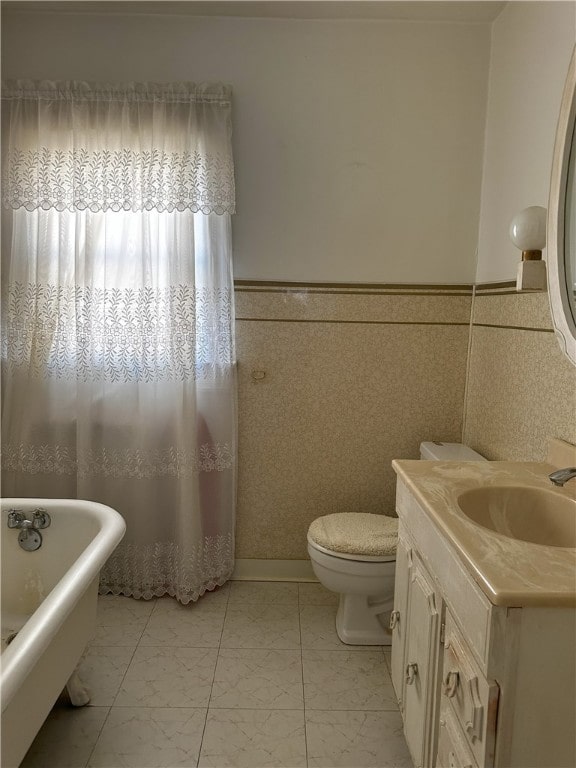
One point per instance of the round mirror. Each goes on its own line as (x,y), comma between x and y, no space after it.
(562,221)
(570,227)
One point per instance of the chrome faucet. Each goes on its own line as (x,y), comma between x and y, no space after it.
(562,476)
(29,537)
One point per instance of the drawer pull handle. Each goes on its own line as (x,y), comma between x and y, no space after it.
(451,684)
(394,619)
(411,672)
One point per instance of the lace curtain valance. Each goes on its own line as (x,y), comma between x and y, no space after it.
(76,146)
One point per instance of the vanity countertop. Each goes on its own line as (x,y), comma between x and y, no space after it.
(510,572)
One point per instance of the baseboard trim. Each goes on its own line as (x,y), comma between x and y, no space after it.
(273,570)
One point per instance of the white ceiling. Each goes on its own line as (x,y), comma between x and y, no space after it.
(428,10)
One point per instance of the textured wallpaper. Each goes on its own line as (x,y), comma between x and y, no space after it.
(335,382)
(521,389)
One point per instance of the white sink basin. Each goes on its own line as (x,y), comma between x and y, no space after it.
(529,514)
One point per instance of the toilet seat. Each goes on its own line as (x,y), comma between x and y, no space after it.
(361,536)
(348,556)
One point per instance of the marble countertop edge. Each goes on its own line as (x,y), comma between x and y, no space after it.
(510,572)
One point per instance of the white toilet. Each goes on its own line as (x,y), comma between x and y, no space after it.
(354,554)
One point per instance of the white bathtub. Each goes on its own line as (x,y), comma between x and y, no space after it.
(49,597)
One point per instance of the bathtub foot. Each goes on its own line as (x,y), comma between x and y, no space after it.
(78,694)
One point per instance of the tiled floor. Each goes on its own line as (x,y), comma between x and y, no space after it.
(251,676)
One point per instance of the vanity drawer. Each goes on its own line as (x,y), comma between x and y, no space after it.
(468,695)
(453,750)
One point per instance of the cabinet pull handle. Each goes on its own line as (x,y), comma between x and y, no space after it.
(451,684)
(411,672)
(394,619)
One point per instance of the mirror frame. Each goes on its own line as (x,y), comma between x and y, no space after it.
(562,314)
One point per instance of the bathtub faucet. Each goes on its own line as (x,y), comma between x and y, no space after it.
(29,537)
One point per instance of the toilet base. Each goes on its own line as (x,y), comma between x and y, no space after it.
(363,620)
(366,590)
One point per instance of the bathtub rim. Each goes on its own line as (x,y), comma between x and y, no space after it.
(23,652)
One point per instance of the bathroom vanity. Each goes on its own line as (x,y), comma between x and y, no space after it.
(484,622)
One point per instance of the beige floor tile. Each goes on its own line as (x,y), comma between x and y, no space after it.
(196,625)
(261,626)
(243,738)
(102,669)
(168,677)
(120,611)
(356,740)
(216,600)
(158,663)
(138,737)
(388,657)
(316,594)
(67,738)
(257,679)
(127,636)
(121,620)
(318,627)
(270,592)
(348,680)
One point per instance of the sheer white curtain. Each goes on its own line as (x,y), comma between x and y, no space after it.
(118,347)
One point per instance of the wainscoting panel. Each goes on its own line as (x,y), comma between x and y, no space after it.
(521,389)
(334,383)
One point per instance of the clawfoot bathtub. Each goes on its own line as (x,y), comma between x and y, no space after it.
(48,609)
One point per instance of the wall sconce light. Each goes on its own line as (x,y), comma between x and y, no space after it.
(528,233)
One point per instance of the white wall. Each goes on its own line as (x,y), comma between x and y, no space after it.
(531,47)
(358,144)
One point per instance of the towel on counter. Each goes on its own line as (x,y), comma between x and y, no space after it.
(356,533)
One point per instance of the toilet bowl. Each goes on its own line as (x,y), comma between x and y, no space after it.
(354,554)
(366,588)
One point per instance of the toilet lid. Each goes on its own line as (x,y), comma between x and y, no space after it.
(356,533)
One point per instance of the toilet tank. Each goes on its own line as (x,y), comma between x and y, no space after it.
(448,452)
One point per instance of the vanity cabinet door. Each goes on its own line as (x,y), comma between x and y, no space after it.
(421,666)
(399,618)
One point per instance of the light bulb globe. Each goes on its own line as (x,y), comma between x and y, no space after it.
(528,229)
